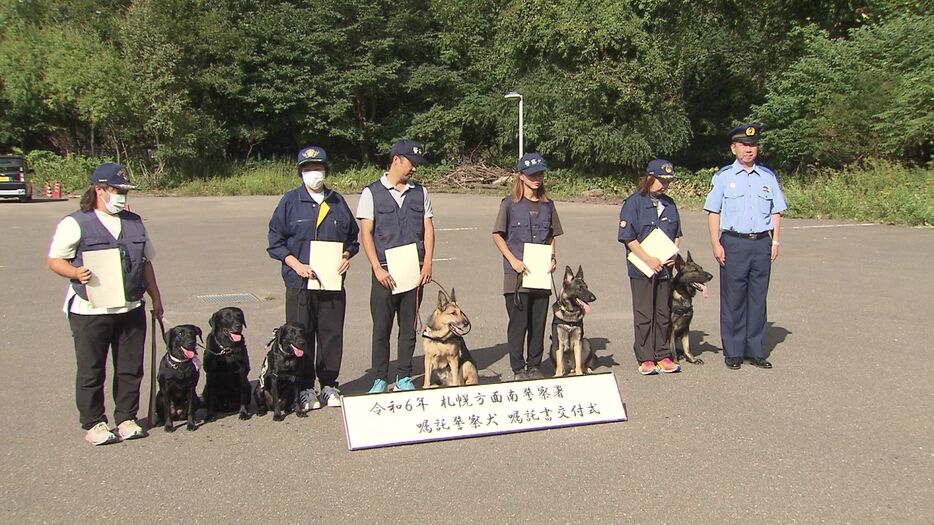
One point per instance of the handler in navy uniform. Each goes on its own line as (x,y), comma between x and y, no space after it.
(744,219)
(314,212)
(395,211)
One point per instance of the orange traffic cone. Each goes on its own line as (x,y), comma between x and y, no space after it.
(47,190)
(57,190)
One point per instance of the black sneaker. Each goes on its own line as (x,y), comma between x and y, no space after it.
(535,373)
(520,375)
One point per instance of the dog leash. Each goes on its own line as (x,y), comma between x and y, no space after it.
(150,418)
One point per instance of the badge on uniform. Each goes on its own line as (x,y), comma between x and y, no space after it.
(622,224)
(767,189)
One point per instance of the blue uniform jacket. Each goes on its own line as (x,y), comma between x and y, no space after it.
(745,200)
(639,216)
(292,228)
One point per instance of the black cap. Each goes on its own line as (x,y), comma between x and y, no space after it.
(312,154)
(746,133)
(113,175)
(409,149)
(661,169)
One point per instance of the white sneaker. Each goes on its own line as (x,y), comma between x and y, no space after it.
(129,430)
(100,434)
(331,396)
(309,399)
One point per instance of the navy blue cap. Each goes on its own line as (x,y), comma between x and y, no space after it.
(661,169)
(312,154)
(409,149)
(746,133)
(532,163)
(113,175)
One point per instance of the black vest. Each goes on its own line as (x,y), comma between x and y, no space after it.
(132,241)
(523,228)
(394,226)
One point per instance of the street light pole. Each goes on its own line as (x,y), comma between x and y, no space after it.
(515,94)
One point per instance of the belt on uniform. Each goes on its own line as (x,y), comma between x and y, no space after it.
(750,236)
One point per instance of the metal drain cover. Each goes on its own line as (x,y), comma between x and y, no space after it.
(228,298)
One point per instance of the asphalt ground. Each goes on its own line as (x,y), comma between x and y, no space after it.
(840,431)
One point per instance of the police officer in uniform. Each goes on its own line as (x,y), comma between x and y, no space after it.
(744,219)
(314,212)
(396,211)
(102,223)
(644,211)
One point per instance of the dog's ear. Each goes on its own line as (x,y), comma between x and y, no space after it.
(453,296)
(690,259)
(580,272)
(568,274)
(168,336)
(213,319)
(198,332)
(242,316)
(442,300)
(679,261)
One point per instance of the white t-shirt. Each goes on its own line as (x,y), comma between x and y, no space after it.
(65,246)
(365,205)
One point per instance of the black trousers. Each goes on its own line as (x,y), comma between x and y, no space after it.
(652,328)
(526,319)
(384,307)
(124,335)
(321,314)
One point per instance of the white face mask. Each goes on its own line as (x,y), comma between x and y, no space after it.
(115,203)
(314,179)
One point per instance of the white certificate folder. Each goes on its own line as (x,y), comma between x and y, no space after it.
(105,289)
(537,260)
(656,244)
(402,262)
(325,261)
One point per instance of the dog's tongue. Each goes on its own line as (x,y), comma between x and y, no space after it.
(235,337)
(703,288)
(188,353)
(584,305)
(297,351)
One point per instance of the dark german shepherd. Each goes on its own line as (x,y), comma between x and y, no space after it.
(689,278)
(567,326)
(447,360)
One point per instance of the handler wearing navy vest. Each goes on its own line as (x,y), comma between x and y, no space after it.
(744,218)
(314,212)
(395,211)
(103,223)
(644,211)
(528,215)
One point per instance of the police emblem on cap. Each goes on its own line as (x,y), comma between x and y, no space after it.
(310,153)
(416,150)
(750,131)
(667,168)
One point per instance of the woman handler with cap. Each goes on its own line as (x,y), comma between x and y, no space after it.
(642,212)
(314,212)
(102,223)
(526,216)
(744,218)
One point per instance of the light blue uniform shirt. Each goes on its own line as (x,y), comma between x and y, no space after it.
(745,200)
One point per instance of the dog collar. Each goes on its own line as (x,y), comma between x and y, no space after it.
(174,363)
(445,337)
(224,350)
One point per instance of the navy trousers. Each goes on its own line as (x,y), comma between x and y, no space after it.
(321,314)
(744,285)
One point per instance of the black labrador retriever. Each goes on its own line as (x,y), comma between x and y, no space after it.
(226,364)
(178,377)
(280,377)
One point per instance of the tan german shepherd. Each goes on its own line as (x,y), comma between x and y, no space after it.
(445,350)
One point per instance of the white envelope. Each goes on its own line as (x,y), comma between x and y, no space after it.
(325,260)
(656,244)
(403,267)
(537,259)
(105,289)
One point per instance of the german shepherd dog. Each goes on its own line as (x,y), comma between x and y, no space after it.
(226,364)
(689,278)
(447,360)
(280,377)
(567,326)
(178,376)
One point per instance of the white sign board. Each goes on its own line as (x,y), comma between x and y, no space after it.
(417,416)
